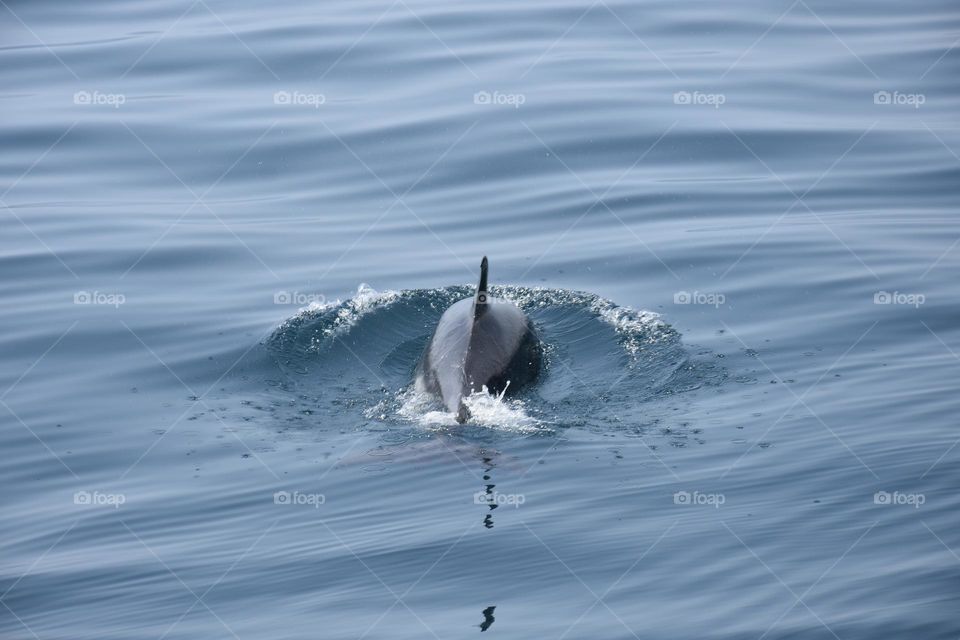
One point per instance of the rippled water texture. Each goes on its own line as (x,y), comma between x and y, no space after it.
(734,227)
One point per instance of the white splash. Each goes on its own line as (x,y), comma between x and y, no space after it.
(486,410)
(634,327)
(363,301)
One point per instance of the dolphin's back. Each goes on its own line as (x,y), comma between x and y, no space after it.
(479,342)
(468,353)
(440,370)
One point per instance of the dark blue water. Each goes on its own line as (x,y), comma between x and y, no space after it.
(228,229)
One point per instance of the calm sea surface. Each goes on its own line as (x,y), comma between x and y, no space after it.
(228,229)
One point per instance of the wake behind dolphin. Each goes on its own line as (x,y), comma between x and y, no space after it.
(480,343)
(365,356)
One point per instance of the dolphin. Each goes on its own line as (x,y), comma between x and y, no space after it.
(479,342)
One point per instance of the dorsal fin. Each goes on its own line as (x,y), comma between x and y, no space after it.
(480,300)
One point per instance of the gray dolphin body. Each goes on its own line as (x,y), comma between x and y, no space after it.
(479,341)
